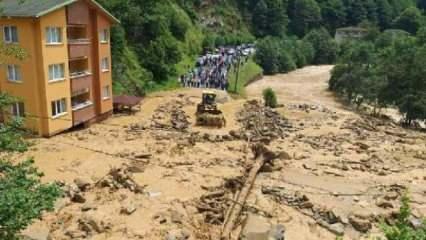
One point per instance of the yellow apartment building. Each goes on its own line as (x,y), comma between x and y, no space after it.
(65,80)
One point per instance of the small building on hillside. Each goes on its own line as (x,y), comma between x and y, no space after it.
(349,33)
(65,80)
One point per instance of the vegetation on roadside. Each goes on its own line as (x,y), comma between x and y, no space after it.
(247,72)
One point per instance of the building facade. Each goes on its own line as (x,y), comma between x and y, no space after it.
(349,33)
(65,79)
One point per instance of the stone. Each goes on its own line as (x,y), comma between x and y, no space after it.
(177,235)
(258,228)
(416,223)
(391,196)
(176,217)
(61,204)
(128,210)
(284,155)
(76,234)
(384,204)
(82,183)
(359,224)
(277,232)
(36,232)
(89,224)
(87,207)
(336,228)
(78,198)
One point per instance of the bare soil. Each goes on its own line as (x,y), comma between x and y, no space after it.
(343,172)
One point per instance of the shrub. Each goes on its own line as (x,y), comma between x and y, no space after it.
(270,98)
(402,230)
(23,197)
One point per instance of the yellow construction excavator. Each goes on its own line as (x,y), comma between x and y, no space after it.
(208,113)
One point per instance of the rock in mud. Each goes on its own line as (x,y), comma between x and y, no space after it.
(258,228)
(36,233)
(82,183)
(177,235)
(360,224)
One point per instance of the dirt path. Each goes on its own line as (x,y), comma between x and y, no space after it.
(342,172)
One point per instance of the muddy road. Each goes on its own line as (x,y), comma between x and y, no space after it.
(339,173)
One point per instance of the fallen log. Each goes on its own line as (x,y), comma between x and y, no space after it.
(262,156)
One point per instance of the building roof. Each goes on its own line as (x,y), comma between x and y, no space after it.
(39,8)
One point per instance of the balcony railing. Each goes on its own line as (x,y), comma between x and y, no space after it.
(80,81)
(78,48)
(78,41)
(81,105)
(83,112)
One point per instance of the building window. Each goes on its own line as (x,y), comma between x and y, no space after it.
(104,36)
(13,73)
(10,34)
(53,35)
(18,109)
(105,65)
(59,107)
(56,72)
(106,93)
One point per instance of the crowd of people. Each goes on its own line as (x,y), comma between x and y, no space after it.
(212,70)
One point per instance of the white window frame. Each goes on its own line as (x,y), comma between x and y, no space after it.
(105,61)
(14,73)
(16,110)
(104,35)
(54,72)
(106,92)
(59,108)
(8,33)
(53,35)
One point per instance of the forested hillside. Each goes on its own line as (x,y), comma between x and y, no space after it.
(159,39)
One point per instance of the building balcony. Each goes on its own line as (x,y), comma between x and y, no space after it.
(81,81)
(78,48)
(83,112)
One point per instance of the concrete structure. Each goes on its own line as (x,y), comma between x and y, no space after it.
(65,80)
(349,33)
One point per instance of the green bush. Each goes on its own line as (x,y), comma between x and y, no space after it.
(402,229)
(270,98)
(23,197)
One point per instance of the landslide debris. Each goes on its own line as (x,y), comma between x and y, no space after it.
(262,124)
(171,116)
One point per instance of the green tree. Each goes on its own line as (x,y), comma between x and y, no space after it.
(324,45)
(306,15)
(409,20)
(260,18)
(267,55)
(277,17)
(333,14)
(23,197)
(384,14)
(355,12)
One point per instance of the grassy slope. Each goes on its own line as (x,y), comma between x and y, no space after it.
(191,48)
(247,72)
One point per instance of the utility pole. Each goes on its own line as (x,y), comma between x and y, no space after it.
(238,72)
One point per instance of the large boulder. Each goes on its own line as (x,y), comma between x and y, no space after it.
(258,228)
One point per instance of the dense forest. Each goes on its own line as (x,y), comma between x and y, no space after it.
(158,39)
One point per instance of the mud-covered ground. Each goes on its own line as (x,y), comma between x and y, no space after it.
(145,176)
